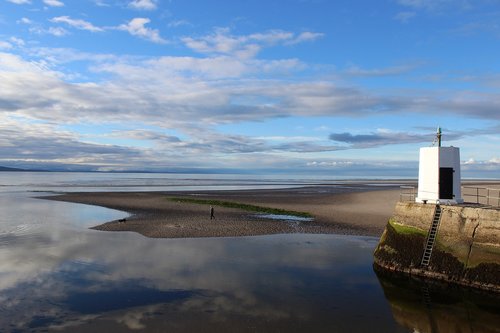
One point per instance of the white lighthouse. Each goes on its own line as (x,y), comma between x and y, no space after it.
(439,174)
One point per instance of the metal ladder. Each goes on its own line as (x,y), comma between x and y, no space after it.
(431,237)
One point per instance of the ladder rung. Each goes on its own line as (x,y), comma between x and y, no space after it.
(431,237)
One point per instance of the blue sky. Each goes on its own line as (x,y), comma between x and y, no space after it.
(329,87)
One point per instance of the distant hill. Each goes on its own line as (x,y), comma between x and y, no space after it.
(9,169)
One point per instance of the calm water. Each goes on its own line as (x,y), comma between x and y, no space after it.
(92,181)
(57,275)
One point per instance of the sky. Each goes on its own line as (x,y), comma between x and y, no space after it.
(330,87)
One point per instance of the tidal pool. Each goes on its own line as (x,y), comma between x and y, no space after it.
(57,275)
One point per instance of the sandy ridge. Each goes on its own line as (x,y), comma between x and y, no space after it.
(356,209)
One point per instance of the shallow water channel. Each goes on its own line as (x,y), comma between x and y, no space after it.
(57,275)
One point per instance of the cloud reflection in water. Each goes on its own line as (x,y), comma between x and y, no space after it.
(57,274)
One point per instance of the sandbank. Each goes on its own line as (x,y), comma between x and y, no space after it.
(343,209)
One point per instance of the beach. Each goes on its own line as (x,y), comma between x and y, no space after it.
(348,209)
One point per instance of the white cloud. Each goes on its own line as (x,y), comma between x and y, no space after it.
(57,31)
(416,3)
(145,134)
(58,56)
(379,72)
(435,5)
(404,17)
(17,41)
(136,27)
(271,37)
(245,46)
(488,168)
(20,2)
(53,3)
(322,128)
(172,92)
(334,164)
(143,4)
(41,30)
(76,23)
(24,20)
(306,36)
(5,45)
(182,88)
(179,23)
(101,3)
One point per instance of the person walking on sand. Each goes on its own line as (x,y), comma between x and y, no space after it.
(212,216)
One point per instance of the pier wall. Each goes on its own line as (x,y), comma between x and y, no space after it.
(466,251)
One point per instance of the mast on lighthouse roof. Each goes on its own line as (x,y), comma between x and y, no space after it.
(438,136)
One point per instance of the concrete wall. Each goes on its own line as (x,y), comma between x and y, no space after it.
(467,248)
(460,228)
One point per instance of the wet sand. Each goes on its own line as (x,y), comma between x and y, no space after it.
(346,209)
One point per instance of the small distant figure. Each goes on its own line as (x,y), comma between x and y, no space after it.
(212,216)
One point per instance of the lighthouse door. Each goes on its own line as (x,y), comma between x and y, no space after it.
(445,183)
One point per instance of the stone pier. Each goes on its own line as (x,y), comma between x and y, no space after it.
(466,250)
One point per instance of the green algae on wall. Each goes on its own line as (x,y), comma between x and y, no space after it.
(400,246)
(466,251)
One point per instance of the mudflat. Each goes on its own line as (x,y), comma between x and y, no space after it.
(347,209)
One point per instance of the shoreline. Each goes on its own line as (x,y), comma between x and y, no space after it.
(351,209)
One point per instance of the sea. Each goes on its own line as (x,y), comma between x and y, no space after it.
(57,275)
